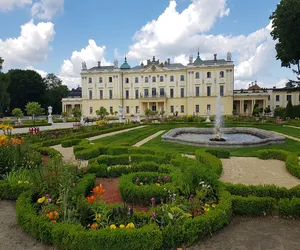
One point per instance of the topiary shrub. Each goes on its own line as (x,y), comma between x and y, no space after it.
(220,153)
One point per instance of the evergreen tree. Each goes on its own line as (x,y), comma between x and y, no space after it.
(289,110)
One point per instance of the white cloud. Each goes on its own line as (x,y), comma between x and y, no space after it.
(46,9)
(41,72)
(7,5)
(71,68)
(183,59)
(32,46)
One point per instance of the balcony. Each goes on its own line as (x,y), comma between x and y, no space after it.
(153,97)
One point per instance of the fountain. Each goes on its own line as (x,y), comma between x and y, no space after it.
(218,122)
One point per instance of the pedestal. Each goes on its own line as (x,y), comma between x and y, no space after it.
(207,119)
(50,119)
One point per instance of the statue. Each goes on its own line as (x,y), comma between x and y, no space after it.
(116,64)
(190,59)
(207,116)
(229,57)
(82,118)
(50,120)
(138,115)
(120,113)
(84,65)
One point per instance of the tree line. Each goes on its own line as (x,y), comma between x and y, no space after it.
(19,87)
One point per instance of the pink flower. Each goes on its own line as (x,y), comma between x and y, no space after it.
(154,214)
(153,200)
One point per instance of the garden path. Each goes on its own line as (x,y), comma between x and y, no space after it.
(288,136)
(68,154)
(291,126)
(151,137)
(254,171)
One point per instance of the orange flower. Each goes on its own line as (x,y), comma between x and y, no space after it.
(94,225)
(54,221)
(98,189)
(56,213)
(91,199)
(50,215)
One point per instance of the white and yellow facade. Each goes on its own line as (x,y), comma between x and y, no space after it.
(172,87)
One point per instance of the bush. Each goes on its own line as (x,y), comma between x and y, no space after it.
(85,184)
(152,158)
(72,142)
(113,160)
(91,152)
(12,192)
(272,154)
(51,152)
(220,153)
(287,207)
(117,150)
(292,165)
(253,206)
(145,166)
(210,161)
(99,170)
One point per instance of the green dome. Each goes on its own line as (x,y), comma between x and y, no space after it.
(125,65)
(198,59)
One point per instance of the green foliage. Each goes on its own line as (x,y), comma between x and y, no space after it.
(220,153)
(272,154)
(292,165)
(252,206)
(289,207)
(279,112)
(10,191)
(256,110)
(211,161)
(289,110)
(70,143)
(111,160)
(4,95)
(98,170)
(17,113)
(102,112)
(154,158)
(34,109)
(76,112)
(85,184)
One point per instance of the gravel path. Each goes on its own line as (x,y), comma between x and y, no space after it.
(253,171)
(288,136)
(11,235)
(269,233)
(151,137)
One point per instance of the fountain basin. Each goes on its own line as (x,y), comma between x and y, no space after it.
(235,137)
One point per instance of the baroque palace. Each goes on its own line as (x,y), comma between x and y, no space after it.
(172,87)
(177,89)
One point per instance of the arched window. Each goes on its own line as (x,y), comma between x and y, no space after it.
(208,74)
(222,74)
(162,92)
(182,78)
(100,80)
(90,80)
(153,91)
(171,78)
(161,78)
(126,80)
(110,79)
(136,80)
(197,76)
(146,79)
(153,79)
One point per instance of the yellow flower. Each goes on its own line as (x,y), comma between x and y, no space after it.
(113,226)
(130,225)
(206,205)
(41,200)
(20,182)
(98,217)
(122,226)
(26,182)
(157,184)
(141,183)
(213,205)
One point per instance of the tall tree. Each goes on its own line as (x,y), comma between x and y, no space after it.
(55,91)
(1,62)
(286,32)
(4,96)
(26,86)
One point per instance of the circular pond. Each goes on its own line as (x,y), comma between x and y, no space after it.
(235,137)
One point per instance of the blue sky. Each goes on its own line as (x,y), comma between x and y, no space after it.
(69,25)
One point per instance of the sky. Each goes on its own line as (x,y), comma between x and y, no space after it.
(55,36)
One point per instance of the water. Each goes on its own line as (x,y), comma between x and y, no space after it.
(238,137)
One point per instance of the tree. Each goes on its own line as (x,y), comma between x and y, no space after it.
(279,112)
(267,110)
(289,110)
(34,109)
(1,62)
(286,32)
(17,113)
(76,112)
(55,91)
(4,96)
(26,86)
(256,110)
(102,112)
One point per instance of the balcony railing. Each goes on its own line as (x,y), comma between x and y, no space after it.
(154,96)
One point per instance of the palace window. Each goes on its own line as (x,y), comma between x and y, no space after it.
(153,79)
(222,74)
(182,78)
(161,78)
(110,94)
(182,92)
(197,76)
(146,79)
(91,94)
(91,110)
(197,91)
(127,109)
(136,94)
(153,91)
(110,79)
(208,107)
(90,80)
(100,80)
(146,92)
(182,108)
(136,109)
(111,110)
(288,98)
(171,78)
(171,93)
(222,90)
(208,75)
(127,94)
(126,80)
(197,108)
(172,109)
(208,90)
(277,98)
(136,80)
(162,92)
(101,94)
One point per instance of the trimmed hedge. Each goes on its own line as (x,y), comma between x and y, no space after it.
(272,154)
(220,153)
(51,152)
(136,194)
(287,207)
(85,184)
(73,142)
(210,161)
(12,192)
(152,158)
(262,190)
(110,160)
(91,152)
(75,237)
(253,206)
(292,165)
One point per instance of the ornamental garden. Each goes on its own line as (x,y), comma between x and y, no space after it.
(158,195)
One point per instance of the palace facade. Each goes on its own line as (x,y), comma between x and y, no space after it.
(172,87)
